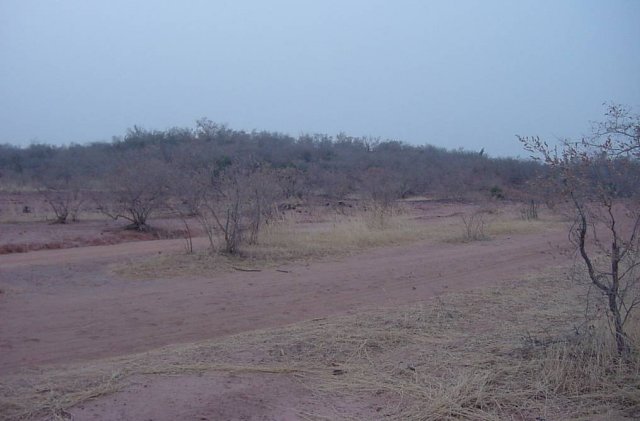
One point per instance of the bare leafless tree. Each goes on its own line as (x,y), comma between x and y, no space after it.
(64,200)
(291,181)
(619,133)
(599,181)
(136,189)
(475,224)
(185,195)
(61,187)
(233,202)
(381,190)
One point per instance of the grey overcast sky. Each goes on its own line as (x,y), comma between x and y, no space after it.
(468,74)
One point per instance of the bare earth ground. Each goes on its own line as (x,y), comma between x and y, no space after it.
(212,396)
(69,311)
(21,232)
(20,237)
(69,307)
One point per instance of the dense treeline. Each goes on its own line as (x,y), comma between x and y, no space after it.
(310,164)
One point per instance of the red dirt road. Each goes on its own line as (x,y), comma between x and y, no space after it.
(62,306)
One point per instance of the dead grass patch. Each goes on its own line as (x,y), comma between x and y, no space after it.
(484,224)
(508,352)
(341,235)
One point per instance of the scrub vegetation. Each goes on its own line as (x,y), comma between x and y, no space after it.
(367,344)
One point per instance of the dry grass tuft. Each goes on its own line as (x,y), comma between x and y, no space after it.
(52,394)
(287,241)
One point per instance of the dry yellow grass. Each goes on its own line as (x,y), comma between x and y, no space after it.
(341,235)
(507,352)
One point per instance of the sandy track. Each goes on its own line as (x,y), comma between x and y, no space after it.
(65,305)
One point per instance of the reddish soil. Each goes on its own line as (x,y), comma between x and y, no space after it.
(55,308)
(214,396)
(21,237)
(63,306)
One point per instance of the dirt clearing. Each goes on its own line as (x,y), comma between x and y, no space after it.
(78,311)
(475,355)
(87,321)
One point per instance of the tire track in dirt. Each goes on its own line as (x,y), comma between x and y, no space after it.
(64,322)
